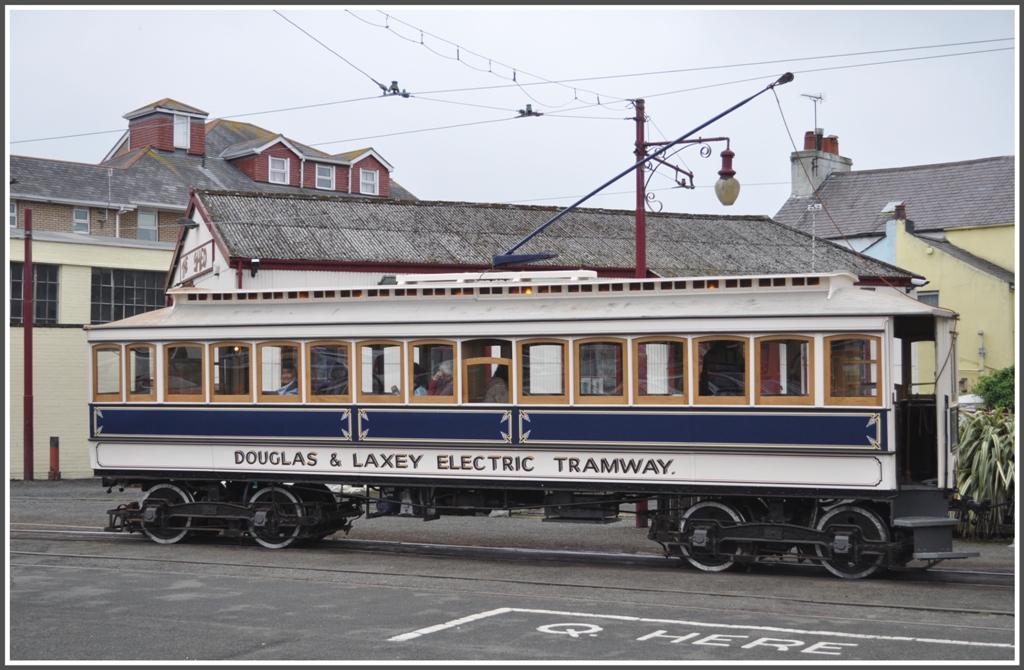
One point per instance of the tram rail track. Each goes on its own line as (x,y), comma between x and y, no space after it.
(932,576)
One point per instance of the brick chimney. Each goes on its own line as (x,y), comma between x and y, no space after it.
(818,160)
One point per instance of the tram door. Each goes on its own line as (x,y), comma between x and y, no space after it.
(923,408)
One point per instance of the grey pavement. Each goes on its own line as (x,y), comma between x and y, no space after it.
(84,502)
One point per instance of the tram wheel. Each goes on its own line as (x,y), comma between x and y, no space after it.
(175,528)
(275,501)
(711,510)
(319,493)
(871,528)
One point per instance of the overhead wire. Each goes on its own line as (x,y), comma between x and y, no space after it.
(563,114)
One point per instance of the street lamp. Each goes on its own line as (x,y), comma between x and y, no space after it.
(726,173)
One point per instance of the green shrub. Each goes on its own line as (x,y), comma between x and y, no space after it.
(985,469)
(997,389)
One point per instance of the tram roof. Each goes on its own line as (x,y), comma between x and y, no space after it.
(329,230)
(532,297)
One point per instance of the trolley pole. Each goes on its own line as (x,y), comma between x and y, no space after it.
(27,317)
(641,201)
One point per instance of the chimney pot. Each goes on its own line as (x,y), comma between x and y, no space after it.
(901,212)
(809,140)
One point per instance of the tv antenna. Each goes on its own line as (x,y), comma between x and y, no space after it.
(815,99)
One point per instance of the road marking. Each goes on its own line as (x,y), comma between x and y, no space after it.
(700,624)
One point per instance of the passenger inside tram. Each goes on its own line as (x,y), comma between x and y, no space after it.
(441,382)
(497,388)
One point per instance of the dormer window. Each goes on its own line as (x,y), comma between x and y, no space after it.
(278,170)
(325,177)
(182,128)
(368,182)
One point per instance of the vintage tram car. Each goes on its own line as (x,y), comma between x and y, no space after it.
(765,418)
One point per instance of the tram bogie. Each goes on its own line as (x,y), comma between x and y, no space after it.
(763,420)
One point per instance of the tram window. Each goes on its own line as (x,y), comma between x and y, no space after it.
(853,369)
(785,371)
(721,370)
(599,370)
(107,372)
(660,370)
(433,371)
(542,371)
(328,371)
(380,372)
(279,372)
(141,372)
(184,373)
(486,364)
(231,372)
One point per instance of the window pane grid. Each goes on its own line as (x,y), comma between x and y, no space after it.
(118,294)
(45,290)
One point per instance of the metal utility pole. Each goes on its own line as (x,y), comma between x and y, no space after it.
(27,317)
(641,198)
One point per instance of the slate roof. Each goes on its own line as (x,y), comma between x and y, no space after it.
(344,229)
(168,104)
(150,177)
(937,197)
(972,260)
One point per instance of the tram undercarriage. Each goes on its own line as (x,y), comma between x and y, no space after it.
(852,539)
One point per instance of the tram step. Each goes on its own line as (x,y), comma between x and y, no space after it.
(923,521)
(936,555)
(933,535)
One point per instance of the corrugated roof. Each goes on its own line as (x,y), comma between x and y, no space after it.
(937,197)
(350,230)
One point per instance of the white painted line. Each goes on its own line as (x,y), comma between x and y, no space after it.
(699,624)
(450,624)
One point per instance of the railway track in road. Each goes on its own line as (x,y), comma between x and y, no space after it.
(270,561)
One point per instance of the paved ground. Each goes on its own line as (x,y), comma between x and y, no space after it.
(84,502)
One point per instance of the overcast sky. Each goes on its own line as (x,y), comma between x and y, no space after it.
(925,86)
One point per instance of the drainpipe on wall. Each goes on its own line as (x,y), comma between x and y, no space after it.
(238,273)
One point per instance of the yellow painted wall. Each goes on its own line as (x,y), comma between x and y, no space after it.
(993,243)
(982,301)
(61,355)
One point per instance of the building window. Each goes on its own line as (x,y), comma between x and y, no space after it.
(278,170)
(118,294)
(81,220)
(147,225)
(182,128)
(325,177)
(368,182)
(929,297)
(45,289)
(14,215)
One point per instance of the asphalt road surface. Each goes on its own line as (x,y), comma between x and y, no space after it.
(401,590)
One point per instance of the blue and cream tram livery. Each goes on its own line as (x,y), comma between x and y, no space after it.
(764,418)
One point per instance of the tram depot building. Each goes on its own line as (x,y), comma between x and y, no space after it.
(272,213)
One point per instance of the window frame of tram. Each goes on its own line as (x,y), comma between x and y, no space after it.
(525,372)
(849,362)
(721,373)
(231,372)
(386,374)
(189,372)
(329,369)
(140,373)
(107,378)
(601,364)
(674,367)
(273,358)
(434,352)
(776,362)
(480,366)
